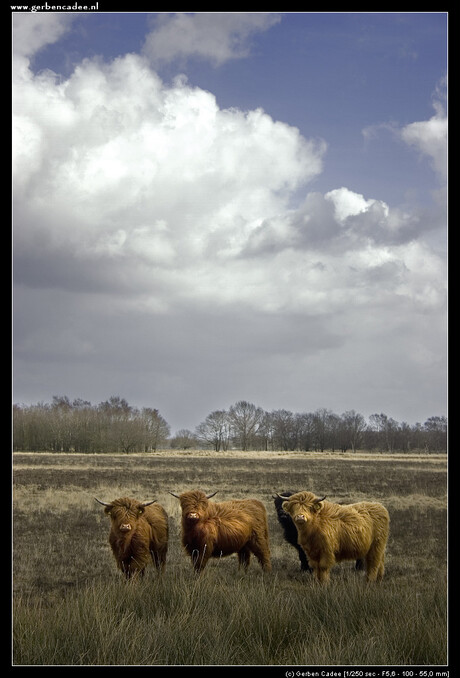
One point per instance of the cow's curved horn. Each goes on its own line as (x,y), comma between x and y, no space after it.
(281,497)
(104,503)
(147,503)
(317,501)
(208,496)
(174,495)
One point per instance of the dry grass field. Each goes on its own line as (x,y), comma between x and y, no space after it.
(72,607)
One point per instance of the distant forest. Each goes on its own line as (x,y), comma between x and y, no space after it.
(115,426)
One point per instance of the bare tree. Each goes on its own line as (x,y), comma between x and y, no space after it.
(266,432)
(214,430)
(306,428)
(387,429)
(352,427)
(285,430)
(245,419)
(156,428)
(436,430)
(183,440)
(321,419)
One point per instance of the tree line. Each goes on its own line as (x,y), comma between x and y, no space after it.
(115,426)
(248,427)
(78,426)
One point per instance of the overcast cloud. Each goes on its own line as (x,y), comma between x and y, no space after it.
(177,254)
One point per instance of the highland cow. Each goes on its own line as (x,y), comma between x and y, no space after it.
(138,532)
(213,530)
(330,533)
(290,532)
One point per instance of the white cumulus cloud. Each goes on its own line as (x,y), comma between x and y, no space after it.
(348,203)
(114,166)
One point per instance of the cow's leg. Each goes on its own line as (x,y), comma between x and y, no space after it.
(199,559)
(321,574)
(375,562)
(162,558)
(132,569)
(158,558)
(244,556)
(303,559)
(262,553)
(322,567)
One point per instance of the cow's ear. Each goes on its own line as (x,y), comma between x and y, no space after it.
(318,505)
(140,510)
(108,510)
(284,506)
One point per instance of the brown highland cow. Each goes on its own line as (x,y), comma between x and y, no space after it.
(330,533)
(213,530)
(138,532)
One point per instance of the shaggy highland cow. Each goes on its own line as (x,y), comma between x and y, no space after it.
(213,530)
(290,532)
(138,532)
(330,533)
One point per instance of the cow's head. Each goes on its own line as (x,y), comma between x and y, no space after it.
(124,513)
(194,504)
(302,506)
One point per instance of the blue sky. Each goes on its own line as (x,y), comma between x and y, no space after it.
(261,195)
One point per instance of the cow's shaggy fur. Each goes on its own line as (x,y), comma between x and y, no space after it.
(138,533)
(215,529)
(330,533)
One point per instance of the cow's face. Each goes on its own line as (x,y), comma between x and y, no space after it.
(194,505)
(303,507)
(124,515)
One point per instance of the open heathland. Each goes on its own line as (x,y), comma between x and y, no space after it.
(71,606)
